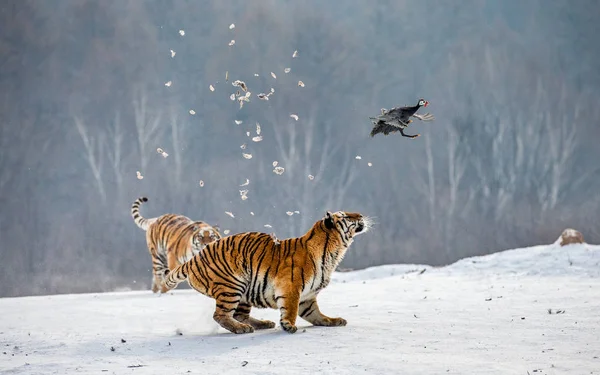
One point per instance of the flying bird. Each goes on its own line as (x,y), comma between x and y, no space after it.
(398,118)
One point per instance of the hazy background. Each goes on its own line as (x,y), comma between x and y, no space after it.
(512,159)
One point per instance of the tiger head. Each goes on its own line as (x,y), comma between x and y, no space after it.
(346,225)
(204,235)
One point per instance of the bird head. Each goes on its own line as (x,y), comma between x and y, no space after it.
(423,103)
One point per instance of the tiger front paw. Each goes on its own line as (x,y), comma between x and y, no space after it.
(288,327)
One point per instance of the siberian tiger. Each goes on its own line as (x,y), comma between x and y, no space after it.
(252,269)
(172,240)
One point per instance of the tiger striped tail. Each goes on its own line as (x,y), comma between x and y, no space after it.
(139,220)
(178,275)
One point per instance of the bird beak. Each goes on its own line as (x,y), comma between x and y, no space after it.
(426,103)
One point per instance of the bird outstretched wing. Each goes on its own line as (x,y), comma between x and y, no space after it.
(425,117)
(385,128)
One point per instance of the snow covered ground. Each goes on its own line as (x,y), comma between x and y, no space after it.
(483,315)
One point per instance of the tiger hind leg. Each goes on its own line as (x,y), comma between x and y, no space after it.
(160,271)
(155,284)
(309,311)
(224,313)
(242,315)
(159,277)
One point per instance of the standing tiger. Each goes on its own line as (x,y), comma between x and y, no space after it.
(172,240)
(251,269)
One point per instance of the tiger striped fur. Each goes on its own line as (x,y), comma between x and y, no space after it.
(252,269)
(172,240)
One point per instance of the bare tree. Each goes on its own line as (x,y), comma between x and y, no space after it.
(115,154)
(94,154)
(178,130)
(146,124)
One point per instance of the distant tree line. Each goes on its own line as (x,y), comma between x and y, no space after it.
(510,161)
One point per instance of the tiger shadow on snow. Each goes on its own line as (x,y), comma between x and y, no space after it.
(192,345)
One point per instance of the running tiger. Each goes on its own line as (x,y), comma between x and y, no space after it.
(172,240)
(252,269)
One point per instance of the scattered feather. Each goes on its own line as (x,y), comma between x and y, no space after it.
(268,226)
(275,163)
(311,177)
(297,212)
(226,75)
(246,183)
(243,147)
(287,70)
(257,128)
(238,83)
(256,74)
(295,117)
(247,156)
(273,75)
(163,153)
(279,170)
(258,138)
(229,213)
(232,42)
(211,87)
(300,83)
(238,122)
(232,26)
(289,213)
(295,54)
(243,99)
(247,134)
(276,240)
(251,213)
(264,96)
(244,194)
(192,112)
(370,164)
(201,183)
(358,157)
(182,32)
(226,231)
(168,83)
(232,97)
(173,53)
(139,175)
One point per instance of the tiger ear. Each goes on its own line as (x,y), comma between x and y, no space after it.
(328,220)
(195,228)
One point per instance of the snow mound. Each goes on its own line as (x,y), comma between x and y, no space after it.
(545,260)
(378,272)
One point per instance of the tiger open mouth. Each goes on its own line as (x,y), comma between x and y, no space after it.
(363,225)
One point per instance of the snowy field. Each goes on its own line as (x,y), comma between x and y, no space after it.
(525,311)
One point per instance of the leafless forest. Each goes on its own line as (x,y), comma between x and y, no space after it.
(511,160)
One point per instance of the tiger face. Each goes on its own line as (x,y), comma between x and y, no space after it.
(204,236)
